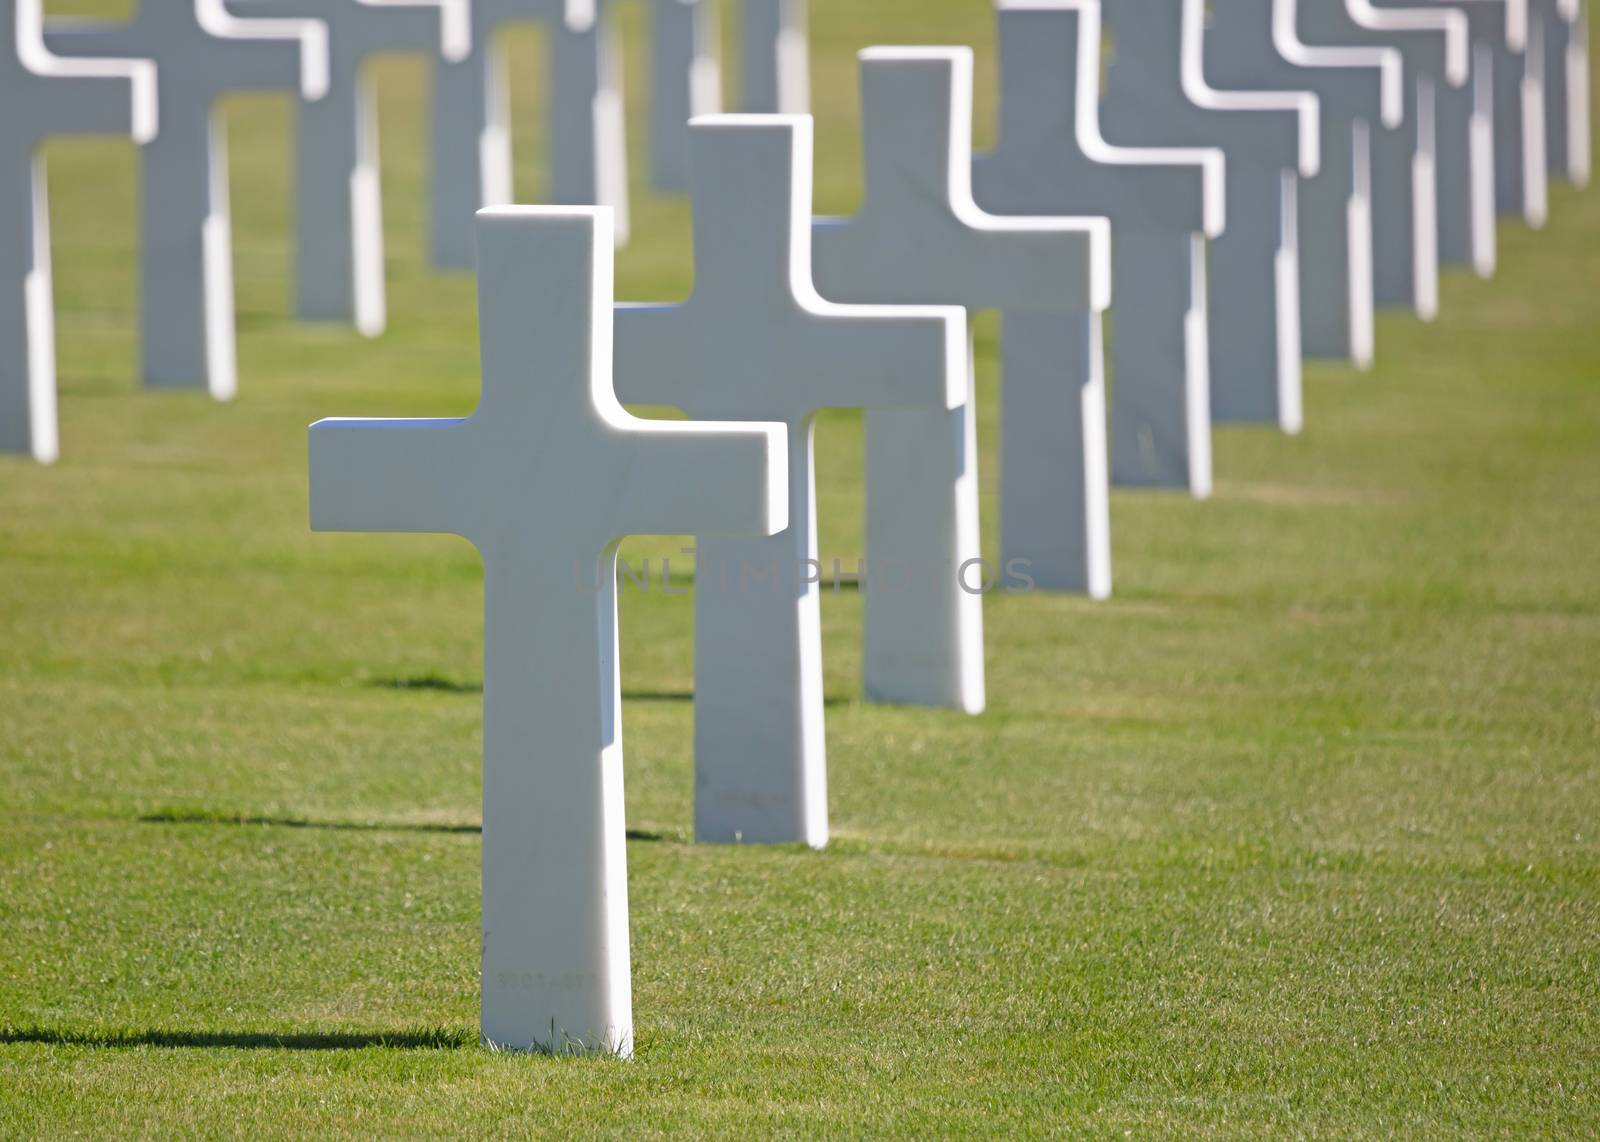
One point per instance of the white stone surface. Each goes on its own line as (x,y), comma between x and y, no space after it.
(775,58)
(45,96)
(919,237)
(1163,203)
(339,272)
(586,145)
(544,479)
(1255,43)
(756,342)
(202,51)
(1430,160)
(1157,94)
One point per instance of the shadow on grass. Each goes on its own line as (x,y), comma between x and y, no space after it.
(441,685)
(437,1040)
(222,817)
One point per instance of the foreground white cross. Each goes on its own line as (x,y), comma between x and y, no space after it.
(1157,95)
(1163,204)
(201,52)
(775,57)
(1431,160)
(586,149)
(756,342)
(338,191)
(544,479)
(1255,43)
(920,237)
(42,96)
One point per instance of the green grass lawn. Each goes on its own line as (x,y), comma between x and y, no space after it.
(1299,834)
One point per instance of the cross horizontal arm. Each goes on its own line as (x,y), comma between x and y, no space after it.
(692,478)
(1260,118)
(1438,38)
(107,96)
(269,54)
(879,356)
(1368,82)
(1256,42)
(828,356)
(654,349)
(444,26)
(489,15)
(359,28)
(209,50)
(82,40)
(1026,263)
(394,476)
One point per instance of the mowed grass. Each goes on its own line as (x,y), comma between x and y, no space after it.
(1299,834)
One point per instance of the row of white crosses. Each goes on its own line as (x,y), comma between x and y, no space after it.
(791,315)
(1519,78)
(773,333)
(177,58)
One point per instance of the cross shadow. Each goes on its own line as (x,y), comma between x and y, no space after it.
(427,682)
(442,1039)
(206,817)
(440,685)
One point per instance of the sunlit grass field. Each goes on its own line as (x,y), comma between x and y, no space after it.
(1298,835)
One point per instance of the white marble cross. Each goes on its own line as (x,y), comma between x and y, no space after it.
(1431,160)
(44,96)
(919,237)
(586,146)
(544,479)
(202,52)
(1255,43)
(1566,62)
(339,272)
(756,342)
(1163,204)
(1157,95)
(775,57)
